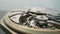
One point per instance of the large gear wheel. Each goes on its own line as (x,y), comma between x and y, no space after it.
(11,25)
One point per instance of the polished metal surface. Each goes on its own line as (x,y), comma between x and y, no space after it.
(15,28)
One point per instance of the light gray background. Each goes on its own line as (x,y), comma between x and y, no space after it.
(16,4)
